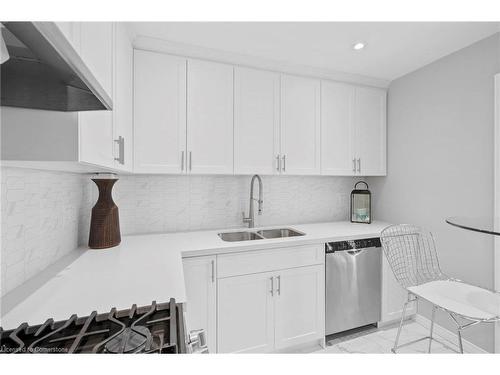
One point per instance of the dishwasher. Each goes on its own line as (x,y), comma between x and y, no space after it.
(353,284)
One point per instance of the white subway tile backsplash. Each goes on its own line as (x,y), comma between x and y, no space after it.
(184,203)
(42,215)
(45,215)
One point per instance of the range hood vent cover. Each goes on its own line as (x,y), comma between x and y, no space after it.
(45,72)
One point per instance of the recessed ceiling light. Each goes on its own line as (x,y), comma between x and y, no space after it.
(358,46)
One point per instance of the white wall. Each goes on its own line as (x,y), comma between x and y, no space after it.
(440,162)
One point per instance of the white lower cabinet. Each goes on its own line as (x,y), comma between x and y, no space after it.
(251,302)
(270,311)
(245,314)
(199,278)
(299,306)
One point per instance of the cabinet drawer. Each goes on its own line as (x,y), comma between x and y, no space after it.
(269,260)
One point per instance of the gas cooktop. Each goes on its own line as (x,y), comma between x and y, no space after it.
(157,328)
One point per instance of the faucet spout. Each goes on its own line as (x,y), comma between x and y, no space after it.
(251,215)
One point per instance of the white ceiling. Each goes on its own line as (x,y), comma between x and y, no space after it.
(392,50)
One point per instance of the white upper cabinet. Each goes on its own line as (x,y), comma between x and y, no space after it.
(300,125)
(96,138)
(89,140)
(71,31)
(96,127)
(209,117)
(176,115)
(159,113)
(256,121)
(123,100)
(353,130)
(337,131)
(96,50)
(370,131)
(201,117)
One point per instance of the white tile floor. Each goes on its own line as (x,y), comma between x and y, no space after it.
(381,340)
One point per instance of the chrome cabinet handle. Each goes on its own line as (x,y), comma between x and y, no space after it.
(354,165)
(272,286)
(213,271)
(279,285)
(278,163)
(190,160)
(284,163)
(182,160)
(121,150)
(359,164)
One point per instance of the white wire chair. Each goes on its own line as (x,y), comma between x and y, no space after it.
(412,256)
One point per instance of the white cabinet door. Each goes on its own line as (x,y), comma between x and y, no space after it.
(159,113)
(71,31)
(300,125)
(256,121)
(337,128)
(123,100)
(96,127)
(300,309)
(245,315)
(210,117)
(370,131)
(96,138)
(96,49)
(199,277)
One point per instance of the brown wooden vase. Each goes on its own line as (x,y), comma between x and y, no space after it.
(104,222)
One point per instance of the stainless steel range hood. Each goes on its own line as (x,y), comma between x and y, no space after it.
(45,72)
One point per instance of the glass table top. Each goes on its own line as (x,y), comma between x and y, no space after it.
(478,224)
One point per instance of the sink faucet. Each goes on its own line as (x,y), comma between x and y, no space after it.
(251,216)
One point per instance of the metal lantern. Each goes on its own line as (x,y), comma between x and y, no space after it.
(361,204)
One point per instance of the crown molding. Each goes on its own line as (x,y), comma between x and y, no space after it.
(187,50)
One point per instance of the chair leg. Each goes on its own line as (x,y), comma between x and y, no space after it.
(460,328)
(400,325)
(432,326)
(460,344)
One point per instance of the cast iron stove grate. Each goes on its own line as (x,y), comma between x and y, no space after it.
(157,328)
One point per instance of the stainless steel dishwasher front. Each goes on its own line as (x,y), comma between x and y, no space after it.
(353,284)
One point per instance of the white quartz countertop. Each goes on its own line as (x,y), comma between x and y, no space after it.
(141,269)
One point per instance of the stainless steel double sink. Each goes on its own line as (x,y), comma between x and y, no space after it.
(259,234)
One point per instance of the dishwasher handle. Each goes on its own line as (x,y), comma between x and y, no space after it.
(354,252)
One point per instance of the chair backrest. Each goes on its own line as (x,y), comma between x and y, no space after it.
(412,255)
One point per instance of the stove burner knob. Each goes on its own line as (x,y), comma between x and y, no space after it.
(198,341)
